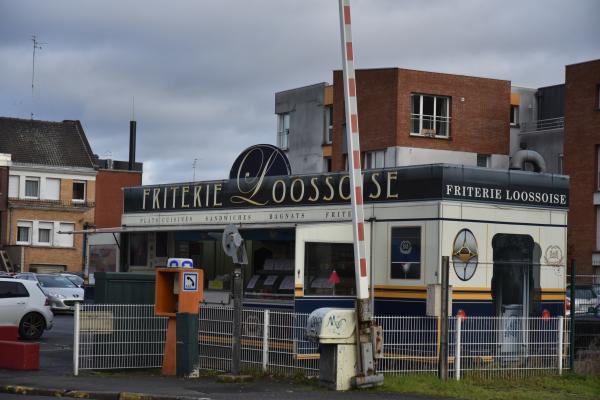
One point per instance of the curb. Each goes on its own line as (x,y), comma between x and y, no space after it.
(85,394)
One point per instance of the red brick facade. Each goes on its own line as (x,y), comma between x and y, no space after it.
(582,139)
(479,110)
(109,195)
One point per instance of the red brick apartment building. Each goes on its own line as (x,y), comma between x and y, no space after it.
(582,163)
(426,117)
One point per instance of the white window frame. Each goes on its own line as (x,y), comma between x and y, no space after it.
(14,183)
(67,238)
(374,159)
(328,139)
(32,179)
(283,130)
(48,194)
(46,225)
(84,191)
(434,116)
(28,225)
(514,121)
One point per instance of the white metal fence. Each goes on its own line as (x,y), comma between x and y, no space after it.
(131,336)
(115,336)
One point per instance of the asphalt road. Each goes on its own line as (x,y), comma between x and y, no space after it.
(56,345)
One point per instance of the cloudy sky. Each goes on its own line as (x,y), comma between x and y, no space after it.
(204,73)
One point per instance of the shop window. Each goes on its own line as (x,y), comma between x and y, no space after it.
(45,233)
(162,240)
(328,125)
(374,159)
(329,269)
(103,258)
(78,191)
(561,166)
(430,115)
(514,115)
(283,130)
(32,187)
(24,229)
(138,249)
(406,253)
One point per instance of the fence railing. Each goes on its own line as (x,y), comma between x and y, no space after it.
(131,336)
(543,125)
(115,336)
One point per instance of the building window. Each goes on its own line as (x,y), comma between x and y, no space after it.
(283,130)
(78,191)
(514,115)
(430,115)
(326,164)
(329,269)
(328,125)
(13,186)
(374,159)
(138,249)
(32,187)
(45,233)
(65,239)
(561,164)
(24,232)
(483,160)
(406,253)
(52,191)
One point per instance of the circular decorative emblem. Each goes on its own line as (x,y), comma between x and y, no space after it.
(405,247)
(464,255)
(553,255)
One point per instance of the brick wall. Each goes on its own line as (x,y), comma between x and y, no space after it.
(109,198)
(582,138)
(480,109)
(71,257)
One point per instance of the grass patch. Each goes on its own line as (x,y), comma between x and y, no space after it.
(534,388)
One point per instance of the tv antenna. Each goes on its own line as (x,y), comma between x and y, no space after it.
(36,46)
(194,166)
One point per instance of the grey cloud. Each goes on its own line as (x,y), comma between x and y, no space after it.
(204,73)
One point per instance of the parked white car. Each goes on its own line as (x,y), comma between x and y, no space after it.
(63,293)
(24,304)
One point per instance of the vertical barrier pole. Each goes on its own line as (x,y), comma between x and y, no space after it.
(443,356)
(457,350)
(572,327)
(236,348)
(76,340)
(265,357)
(560,345)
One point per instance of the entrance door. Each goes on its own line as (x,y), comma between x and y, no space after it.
(512,287)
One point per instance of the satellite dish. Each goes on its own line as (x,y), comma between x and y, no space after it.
(233,245)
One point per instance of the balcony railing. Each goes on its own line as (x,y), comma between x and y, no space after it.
(42,203)
(543,125)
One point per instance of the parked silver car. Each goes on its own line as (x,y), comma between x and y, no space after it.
(62,293)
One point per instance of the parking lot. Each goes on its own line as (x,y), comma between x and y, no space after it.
(56,345)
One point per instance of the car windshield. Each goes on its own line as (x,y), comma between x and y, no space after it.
(49,281)
(75,279)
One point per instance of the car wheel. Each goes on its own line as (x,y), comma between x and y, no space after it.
(32,326)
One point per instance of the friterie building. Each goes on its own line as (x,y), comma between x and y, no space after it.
(503,230)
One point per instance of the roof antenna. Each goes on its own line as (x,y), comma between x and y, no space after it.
(36,45)
(133,108)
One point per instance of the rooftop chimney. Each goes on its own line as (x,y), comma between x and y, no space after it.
(132,127)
